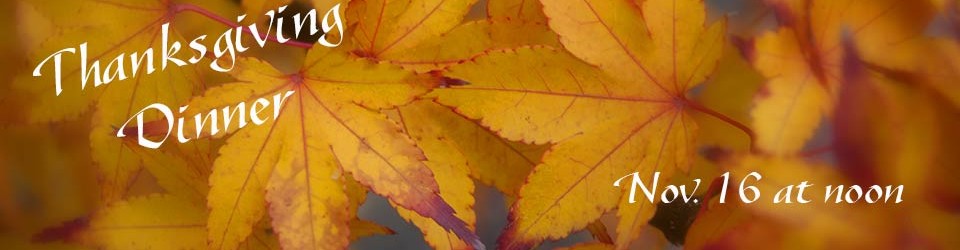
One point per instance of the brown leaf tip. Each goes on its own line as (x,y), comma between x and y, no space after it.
(446,82)
(509,240)
(63,232)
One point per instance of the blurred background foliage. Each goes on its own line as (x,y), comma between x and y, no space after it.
(47,175)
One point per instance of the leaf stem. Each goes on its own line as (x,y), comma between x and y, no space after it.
(746,130)
(182,7)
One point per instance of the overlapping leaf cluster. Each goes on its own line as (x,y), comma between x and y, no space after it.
(549,102)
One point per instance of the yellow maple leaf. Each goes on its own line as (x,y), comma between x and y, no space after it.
(426,36)
(524,10)
(448,165)
(490,159)
(627,116)
(429,35)
(175,175)
(142,222)
(327,128)
(456,149)
(387,28)
(150,222)
(471,38)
